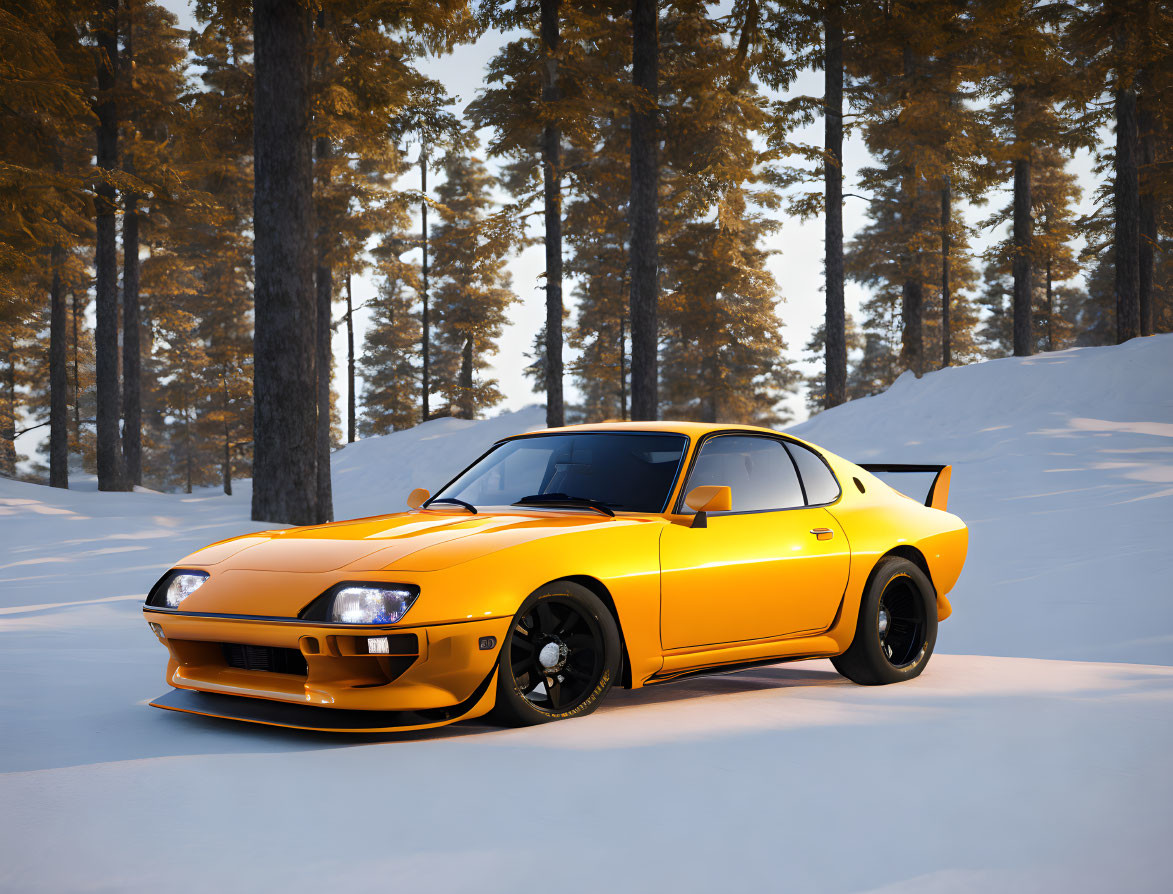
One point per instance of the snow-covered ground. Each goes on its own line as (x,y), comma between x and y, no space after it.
(1019,772)
(1063,469)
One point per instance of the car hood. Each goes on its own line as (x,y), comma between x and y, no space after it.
(402,542)
(277,573)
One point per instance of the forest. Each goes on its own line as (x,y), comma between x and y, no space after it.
(185,211)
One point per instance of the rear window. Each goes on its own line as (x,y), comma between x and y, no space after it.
(820,484)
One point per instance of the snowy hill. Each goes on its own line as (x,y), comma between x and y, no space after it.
(1063,469)
(986,773)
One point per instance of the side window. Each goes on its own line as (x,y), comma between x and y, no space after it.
(758,470)
(820,484)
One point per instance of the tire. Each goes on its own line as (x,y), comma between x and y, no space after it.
(897,627)
(562,635)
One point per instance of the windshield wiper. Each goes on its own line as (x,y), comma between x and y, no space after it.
(461,503)
(565,500)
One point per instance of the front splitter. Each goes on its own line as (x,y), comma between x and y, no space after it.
(309,717)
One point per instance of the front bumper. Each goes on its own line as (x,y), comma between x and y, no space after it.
(434,669)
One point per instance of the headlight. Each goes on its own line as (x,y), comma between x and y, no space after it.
(182,586)
(175,587)
(360,602)
(370,605)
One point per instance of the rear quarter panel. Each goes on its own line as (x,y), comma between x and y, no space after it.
(881,519)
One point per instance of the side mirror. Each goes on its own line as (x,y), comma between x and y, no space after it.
(708,498)
(418,497)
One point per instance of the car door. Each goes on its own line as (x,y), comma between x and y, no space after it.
(771,566)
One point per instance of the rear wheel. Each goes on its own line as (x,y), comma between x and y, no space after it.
(897,626)
(560,657)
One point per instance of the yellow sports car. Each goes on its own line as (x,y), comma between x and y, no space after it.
(557,565)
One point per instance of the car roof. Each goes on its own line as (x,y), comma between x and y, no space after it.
(692,429)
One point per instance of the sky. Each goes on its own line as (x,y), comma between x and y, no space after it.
(797,262)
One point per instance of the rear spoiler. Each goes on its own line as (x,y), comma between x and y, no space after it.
(938,496)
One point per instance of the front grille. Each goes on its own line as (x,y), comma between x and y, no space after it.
(265,658)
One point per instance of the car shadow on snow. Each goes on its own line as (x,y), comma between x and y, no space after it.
(260,736)
(80,728)
(134,731)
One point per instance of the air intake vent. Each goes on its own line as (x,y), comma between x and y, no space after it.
(265,658)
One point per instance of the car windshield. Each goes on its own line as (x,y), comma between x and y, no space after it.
(626,472)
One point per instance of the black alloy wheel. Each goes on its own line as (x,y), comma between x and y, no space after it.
(560,657)
(900,622)
(897,626)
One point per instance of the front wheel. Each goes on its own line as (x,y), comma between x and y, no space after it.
(560,657)
(897,626)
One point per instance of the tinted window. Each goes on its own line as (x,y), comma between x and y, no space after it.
(758,470)
(628,472)
(821,486)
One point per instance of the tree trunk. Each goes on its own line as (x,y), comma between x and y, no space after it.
(623,368)
(285,397)
(132,435)
(1021,266)
(58,377)
(76,313)
(1050,310)
(1147,203)
(426,383)
(644,211)
(913,336)
(912,306)
(836,319)
(324,279)
(1022,263)
(465,391)
(187,448)
(111,474)
(1127,206)
(8,412)
(226,464)
(552,186)
(350,403)
(946,288)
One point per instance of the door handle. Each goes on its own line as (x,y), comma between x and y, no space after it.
(823,533)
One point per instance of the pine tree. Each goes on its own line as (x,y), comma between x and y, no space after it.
(1122,55)
(285,372)
(111,469)
(1025,75)
(643,209)
(390,366)
(368,94)
(153,128)
(722,355)
(913,66)
(472,287)
(1055,195)
(46,125)
(780,40)
(816,352)
(596,226)
(538,103)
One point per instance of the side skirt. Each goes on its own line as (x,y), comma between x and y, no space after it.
(729,668)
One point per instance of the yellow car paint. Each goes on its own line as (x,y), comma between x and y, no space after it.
(746,587)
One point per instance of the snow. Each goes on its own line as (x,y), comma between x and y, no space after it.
(1063,470)
(1030,756)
